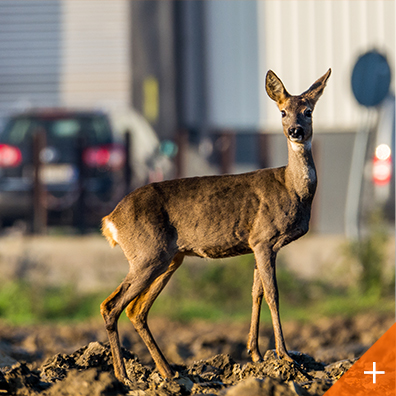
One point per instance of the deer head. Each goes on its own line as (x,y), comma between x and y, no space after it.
(297,110)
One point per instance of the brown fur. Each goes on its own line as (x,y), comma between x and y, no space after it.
(215,216)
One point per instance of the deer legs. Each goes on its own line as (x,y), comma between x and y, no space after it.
(137,293)
(265,269)
(111,310)
(141,287)
(257,298)
(137,312)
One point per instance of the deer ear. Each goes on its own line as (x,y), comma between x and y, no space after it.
(275,88)
(317,88)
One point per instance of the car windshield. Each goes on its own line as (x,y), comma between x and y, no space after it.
(60,131)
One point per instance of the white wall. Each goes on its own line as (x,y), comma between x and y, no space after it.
(300,40)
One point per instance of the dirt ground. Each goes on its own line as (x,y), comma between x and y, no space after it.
(208,358)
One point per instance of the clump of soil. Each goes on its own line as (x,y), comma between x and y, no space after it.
(89,371)
(28,365)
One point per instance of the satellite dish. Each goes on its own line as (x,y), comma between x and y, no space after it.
(371,77)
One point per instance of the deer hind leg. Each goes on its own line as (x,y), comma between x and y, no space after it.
(139,279)
(138,309)
(265,261)
(257,298)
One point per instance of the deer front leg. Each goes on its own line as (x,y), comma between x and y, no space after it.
(257,298)
(265,261)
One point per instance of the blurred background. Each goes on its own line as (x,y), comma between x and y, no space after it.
(100,97)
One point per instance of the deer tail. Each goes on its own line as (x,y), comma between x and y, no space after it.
(109,230)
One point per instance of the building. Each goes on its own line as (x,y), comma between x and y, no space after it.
(199,66)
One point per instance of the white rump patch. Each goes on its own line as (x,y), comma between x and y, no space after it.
(112,229)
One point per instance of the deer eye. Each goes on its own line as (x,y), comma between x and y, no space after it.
(283,113)
(308,113)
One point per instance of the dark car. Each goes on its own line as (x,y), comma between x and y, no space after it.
(81,166)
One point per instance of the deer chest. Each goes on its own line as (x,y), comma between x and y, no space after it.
(292,224)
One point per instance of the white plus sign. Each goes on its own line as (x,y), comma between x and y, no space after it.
(374,372)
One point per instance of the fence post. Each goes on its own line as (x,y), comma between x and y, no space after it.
(79,213)
(227,151)
(128,162)
(39,190)
(182,146)
(263,152)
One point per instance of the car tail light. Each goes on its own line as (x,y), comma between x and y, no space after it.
(10,156)
(382,165)
(110,156)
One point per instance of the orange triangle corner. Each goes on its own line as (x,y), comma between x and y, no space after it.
(374,373)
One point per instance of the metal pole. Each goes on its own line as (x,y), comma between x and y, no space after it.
(353,199)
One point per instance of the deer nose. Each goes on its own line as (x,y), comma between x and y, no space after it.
(296,132)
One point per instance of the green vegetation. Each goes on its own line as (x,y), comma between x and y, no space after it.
(220,290)
(23,302)
(368,256)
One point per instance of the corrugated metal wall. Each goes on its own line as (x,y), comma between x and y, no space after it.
(96,54)
(30,59)
(64,53)
(300,40)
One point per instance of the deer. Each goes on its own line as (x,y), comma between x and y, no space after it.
(218,216)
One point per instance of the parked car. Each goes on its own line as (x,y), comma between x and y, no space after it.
(82,165)
(151,159)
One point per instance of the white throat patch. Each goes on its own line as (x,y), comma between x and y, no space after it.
(306,172)
(301,147)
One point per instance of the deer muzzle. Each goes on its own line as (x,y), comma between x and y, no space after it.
(296,134)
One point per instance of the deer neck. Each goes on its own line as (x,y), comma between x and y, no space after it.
(300,170)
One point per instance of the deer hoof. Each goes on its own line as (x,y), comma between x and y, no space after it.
(285,356)
(255,356)
(288,358)
(282,354)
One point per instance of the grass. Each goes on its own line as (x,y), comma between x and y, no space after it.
(22,302)
(222,291)
(215,292)
(218,291)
